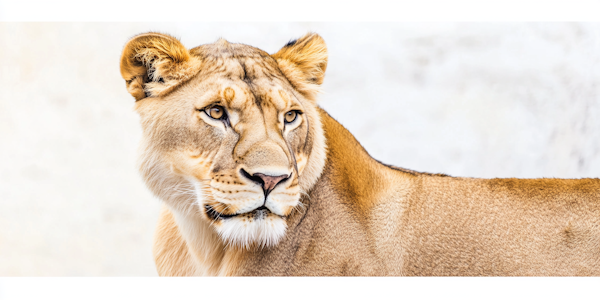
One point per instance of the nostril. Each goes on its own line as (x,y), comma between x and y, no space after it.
(254,178)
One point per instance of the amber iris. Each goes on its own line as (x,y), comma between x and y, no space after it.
(215,112)
(290,116)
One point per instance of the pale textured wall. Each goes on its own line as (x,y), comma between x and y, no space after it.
(481,100)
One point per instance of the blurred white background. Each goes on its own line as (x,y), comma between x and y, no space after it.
(466,99)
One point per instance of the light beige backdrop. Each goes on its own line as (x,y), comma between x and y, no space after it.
(479,100)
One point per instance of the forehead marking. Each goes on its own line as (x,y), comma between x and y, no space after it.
(228,94)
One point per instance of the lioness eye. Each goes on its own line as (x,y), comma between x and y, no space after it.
(215,112)
(290,116)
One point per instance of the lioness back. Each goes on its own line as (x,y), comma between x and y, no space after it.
(466,226)
(256,179)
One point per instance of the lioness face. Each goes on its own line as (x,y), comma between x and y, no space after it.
(239,137)
(244,148)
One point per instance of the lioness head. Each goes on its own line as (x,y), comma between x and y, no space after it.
(229,131)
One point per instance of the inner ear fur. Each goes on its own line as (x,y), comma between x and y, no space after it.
(303,62)
(153,64)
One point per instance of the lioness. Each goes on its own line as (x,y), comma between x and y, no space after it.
(256,179)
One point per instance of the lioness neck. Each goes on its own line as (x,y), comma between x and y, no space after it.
(359,179)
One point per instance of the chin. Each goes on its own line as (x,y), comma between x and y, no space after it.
(259,228)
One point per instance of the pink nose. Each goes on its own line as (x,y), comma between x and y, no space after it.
(267,182)
(270,181)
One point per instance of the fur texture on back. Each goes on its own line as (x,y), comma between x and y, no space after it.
(256,179)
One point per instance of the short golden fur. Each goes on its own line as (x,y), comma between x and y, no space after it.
(337,211)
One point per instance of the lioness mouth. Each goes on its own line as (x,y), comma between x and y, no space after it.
(257,214)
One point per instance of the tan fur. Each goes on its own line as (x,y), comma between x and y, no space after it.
(170,249)
(344,212)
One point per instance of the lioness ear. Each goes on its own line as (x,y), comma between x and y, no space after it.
(303,62)
(152,64)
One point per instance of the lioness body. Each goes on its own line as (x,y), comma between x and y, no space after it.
(258,180)
(397,222)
